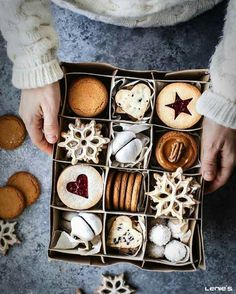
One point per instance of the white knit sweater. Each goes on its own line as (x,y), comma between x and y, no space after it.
(32,42)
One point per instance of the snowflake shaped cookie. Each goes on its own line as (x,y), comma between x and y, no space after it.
(114,285)
(7,236)
(83,142)
(173,194)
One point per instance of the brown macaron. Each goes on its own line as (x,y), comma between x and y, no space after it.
(27,184)
(88,97)
(12,132)
(129,191)
(136,192)
(176,149)
(12,202)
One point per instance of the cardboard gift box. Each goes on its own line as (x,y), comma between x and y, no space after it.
(110,119)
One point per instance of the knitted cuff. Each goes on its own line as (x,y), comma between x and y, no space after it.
(217,108)
(39,76)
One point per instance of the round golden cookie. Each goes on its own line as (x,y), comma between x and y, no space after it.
(116,192)
(124,182)
(12,132)
(176,149)
(27,184)
(129,191)
(136,192)
(176,105)
(109,189)
(88,97)
(12,202)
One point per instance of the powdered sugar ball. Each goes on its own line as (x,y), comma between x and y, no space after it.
(155,251)
(175,251)
(160,235)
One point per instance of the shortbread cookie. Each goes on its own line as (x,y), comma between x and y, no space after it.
(27,184)
(12,132)
(176,149)
(123,187)
(116,193)
(176,105)
(129,191)
(123,235)
(136,192)
(12,202)
(80,186)
(109,189)
(134,102)
(88,97)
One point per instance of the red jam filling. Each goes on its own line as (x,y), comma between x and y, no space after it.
(79,187)
(180,105)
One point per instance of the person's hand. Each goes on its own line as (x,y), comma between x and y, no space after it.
(218,154)
(39,109)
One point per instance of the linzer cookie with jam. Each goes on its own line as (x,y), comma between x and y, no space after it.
(176,105)
(80,186)
(176,149)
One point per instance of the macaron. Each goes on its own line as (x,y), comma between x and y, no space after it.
(88,97)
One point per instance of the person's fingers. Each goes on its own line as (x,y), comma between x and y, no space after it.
(36,134)
(209,163)
(221,178)
(50,127)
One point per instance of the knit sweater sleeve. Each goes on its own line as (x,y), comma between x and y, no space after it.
(219,102)
(31,42)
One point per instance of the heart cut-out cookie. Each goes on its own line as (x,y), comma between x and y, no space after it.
(80,186)
(124,235)
(134,102)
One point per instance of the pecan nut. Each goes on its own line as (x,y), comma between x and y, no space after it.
(176,151)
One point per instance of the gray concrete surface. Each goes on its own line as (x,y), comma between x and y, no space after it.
(26,268)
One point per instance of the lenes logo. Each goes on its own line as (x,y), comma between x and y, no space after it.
(219,289)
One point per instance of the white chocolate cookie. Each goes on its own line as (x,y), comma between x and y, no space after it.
(134,102)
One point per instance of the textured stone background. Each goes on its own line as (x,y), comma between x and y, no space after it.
(189,45)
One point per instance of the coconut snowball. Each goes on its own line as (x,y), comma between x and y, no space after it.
(155,251)
(176,251)
(160,235)
(179,229)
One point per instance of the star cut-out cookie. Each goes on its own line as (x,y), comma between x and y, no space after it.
(7,236)
(180,105)
(83,142)
(114,285)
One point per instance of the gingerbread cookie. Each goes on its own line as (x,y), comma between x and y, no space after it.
(134,102)
(123,187)
(12,132)
(116,193)
(27,184)
(136,192)
(88,97)
(12,202)
(80,186)
(109,189)
(176,149)
(176,105)
(129,191)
